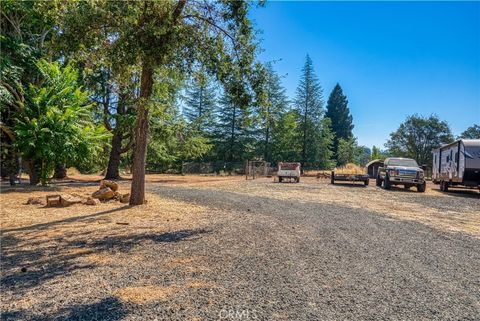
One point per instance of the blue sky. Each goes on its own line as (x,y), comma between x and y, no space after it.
(392,59)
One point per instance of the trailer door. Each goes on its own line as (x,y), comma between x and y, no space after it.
(461,167)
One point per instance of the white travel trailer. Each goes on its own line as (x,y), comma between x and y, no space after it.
(457,164)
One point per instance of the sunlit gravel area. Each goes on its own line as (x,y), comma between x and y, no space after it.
(245,250)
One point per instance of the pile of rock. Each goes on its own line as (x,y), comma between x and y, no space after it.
(109,191)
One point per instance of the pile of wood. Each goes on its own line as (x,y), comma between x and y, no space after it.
(350,168)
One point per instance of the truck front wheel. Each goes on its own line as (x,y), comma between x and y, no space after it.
(378,181)
(421,187)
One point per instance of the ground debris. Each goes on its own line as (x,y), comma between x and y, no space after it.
(34,201)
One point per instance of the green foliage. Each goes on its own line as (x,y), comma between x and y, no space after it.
(285,146)
(233,141)
(270,110)
(315,133)
(55,125)
(200,102)
(417,136)
(350,152)
(472,132)
(377,154)
(339,113)
(346,151)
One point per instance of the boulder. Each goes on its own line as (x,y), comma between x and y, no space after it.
(106,183)
(125,198)
(117,196)
(67,200)
(103,194)
(91,201)
(34,201)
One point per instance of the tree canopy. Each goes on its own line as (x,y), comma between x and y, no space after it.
(417,136)
(339,114)
(472,132)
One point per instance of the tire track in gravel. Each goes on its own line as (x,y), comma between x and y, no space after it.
(305,260)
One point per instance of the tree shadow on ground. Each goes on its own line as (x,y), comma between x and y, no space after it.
(24,268)
(44,226)
(108,309)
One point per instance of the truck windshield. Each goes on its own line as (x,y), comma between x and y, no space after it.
(402,162)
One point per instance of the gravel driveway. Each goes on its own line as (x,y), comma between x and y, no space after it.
(245,251)
(300,260)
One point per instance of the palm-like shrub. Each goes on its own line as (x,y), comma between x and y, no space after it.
(56,125)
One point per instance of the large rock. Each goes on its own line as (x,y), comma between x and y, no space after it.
(111,184)
(67,199)
(91,201)
(125,198)
(103,194)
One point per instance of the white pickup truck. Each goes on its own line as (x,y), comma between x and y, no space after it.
(288,171)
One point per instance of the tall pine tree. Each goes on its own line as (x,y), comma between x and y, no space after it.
(339,114)
(309,104)
(231,130)
(200,101)
(270,113)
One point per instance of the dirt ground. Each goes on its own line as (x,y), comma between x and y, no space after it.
(128,260)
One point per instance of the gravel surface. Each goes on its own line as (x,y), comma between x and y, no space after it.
(247,251)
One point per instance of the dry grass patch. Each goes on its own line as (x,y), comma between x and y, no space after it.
(200,284)
(145,294)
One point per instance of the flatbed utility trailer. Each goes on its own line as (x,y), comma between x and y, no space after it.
(365,178)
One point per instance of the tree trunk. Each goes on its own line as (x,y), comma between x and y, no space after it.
(137,192)
(60,171)
(115,156)
(33,173)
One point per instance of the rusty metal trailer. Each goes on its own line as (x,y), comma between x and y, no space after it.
(350,178)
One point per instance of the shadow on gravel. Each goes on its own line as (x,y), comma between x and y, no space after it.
(108,309)
(354,185)
(470,193)
(36,261)
(44,226)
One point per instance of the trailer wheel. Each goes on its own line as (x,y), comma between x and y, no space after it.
(332,177)
(298,180)
(445,186)
(422,187)
(386,183)
(366,182)
(280,178)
